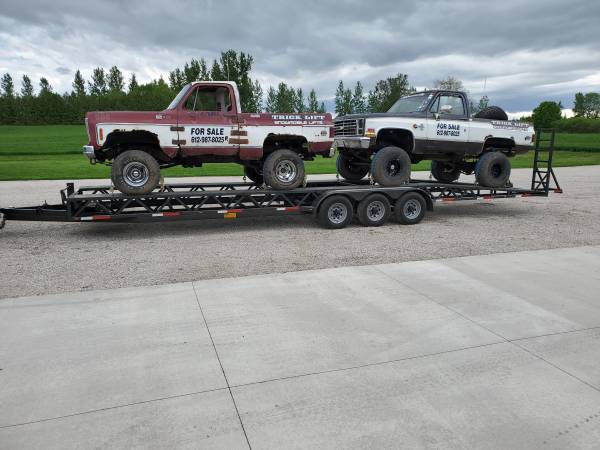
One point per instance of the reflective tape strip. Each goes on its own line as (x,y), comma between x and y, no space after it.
(86,218)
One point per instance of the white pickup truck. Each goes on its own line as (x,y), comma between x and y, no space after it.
(431,125)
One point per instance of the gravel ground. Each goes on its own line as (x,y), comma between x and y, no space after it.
(42,258)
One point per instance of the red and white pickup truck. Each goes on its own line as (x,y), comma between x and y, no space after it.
(204,124)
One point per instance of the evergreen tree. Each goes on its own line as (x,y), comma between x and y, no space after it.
(115,80)
(299,106)
(257,98)
(78,84)
(321,109)
(449,84)
(313,102)
(133,84)
(358,99)
(8,87)
(98,84)
(343,100)
(177,79)
(45,87)
(26,87)
(271,103)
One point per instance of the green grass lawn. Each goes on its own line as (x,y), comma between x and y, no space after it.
(53,152)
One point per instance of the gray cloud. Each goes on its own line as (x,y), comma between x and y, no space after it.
(527,51)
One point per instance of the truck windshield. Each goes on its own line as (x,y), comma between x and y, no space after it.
(412,103)
(181,94)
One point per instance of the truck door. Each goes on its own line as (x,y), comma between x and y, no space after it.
(447,124)
(206,120)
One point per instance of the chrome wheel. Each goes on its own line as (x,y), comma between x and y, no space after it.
(412,209)
(136,174)
(376,211)
(337,213)
(285,171)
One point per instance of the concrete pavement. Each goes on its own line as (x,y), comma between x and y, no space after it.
(495,351)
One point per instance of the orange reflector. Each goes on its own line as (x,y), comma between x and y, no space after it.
(101,134)
(230,215)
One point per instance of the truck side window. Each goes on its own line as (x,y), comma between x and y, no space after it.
(435,107)
(208,98)
(454,101)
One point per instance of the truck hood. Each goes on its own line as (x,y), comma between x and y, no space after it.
(375,115)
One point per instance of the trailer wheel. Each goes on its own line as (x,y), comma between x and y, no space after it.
(390,166)
(349,170)
(254,174)
(444,171)
(335,212)
(493,170)
(374,210)
(410,208)
(283,169)
(135,172)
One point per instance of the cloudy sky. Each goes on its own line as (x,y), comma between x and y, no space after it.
(520,52)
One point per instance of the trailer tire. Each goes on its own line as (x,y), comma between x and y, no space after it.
(135,172)
(493,170)
(254,175)
(283,169)
(410,208)
(348,170)
(390,166)
(335,212)
(491,113)
(444,171)
(373,210)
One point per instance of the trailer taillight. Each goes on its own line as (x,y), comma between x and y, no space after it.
(101,135)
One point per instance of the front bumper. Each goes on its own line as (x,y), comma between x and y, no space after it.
(359,142)
(89,152)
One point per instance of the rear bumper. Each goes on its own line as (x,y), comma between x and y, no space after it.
(358,142)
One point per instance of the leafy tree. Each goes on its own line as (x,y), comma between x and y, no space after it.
(545,114)
(449,84)
(483,103)
(98,84)
(115,80)
(587,105)
(26,87)
(78,84)
(8,87)
(257,98)
(313,102)
(358,99)
(133,84)
(386,92)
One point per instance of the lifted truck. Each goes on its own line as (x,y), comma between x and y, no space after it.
(334,203)
(431,125)
(204,124)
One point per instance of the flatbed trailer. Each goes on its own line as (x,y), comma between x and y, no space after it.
(334,203)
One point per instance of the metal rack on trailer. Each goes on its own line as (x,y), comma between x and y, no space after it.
(334,203)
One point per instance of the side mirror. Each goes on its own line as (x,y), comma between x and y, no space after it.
(446,109)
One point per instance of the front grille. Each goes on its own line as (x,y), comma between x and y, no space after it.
(346,127)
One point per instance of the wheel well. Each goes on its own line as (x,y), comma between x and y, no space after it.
(397,137)
(298,144)
(496,143)
(120,141)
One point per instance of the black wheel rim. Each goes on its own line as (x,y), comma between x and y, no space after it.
(393,167)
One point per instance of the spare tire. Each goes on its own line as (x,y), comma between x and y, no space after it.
(492,113)
(492,170)
(445,171)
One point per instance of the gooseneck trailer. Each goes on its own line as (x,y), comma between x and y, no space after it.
(333,203)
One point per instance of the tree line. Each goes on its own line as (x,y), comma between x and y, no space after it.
(107,90)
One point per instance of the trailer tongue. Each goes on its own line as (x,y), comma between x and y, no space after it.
(332,202)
